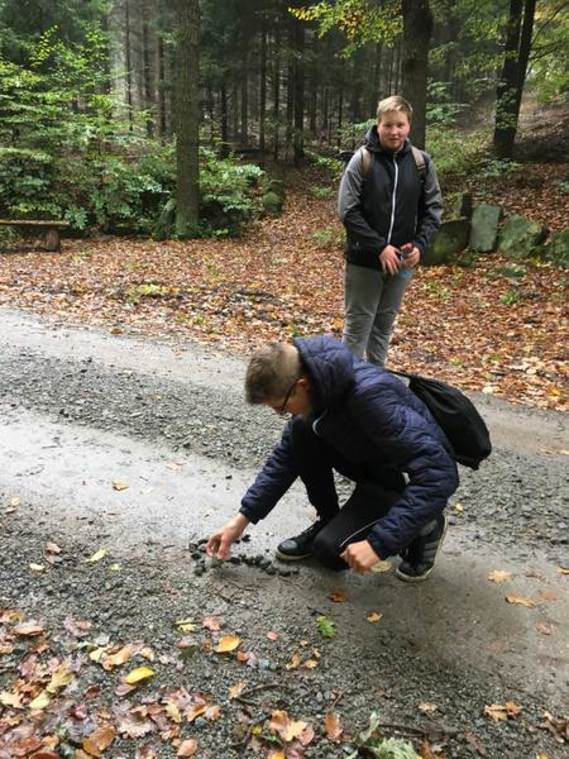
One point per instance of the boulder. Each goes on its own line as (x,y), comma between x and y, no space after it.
(520,238)
(557,249)
(484,227)
(451,238)
(462,206)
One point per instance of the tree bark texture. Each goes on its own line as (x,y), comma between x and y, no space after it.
(187,117)
(417,30)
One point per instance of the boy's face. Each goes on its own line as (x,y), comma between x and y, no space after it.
(393,129)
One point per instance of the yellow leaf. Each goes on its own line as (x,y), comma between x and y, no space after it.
(37,567)
(512,708)
(382,566)
(60,678)
(173,711)
(374,616)
(115,568)
(496,712)
(185,625)
(119,485)
(236,690)
(564,451)
(499,575)
(97,556)
(115,660)
(97,653)
(310,664)
(41,701)
(227,643)
(276,753)
(195,711)
(427,707)
(563,570)
(458,507)
(257,730)
(522,600)
(10,699)
(287,728)
(138,675)
(295,661)
(15,502)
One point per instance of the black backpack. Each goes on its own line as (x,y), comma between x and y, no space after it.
(456,415)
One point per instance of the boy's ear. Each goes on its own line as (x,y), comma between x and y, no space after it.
(304,382)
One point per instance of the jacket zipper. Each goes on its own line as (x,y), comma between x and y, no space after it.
(392,222)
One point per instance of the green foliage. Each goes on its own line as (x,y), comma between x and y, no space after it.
(326,626)
(382,748)
(329,237)
(440,108)
(454,152)
(323,193)
(511,297)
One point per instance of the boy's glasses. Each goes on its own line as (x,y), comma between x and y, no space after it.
(282,410)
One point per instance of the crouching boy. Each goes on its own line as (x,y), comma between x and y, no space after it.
(354,418)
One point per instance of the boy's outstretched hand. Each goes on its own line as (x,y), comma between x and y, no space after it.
(219,543)
(360,556)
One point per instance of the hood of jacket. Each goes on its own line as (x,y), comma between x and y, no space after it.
(330,366)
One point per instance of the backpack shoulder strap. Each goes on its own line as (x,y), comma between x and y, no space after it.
(367,159)
(420,161)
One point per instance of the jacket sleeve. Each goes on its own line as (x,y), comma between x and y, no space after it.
(430,210)
(406,441)
(274,479)
(350,209)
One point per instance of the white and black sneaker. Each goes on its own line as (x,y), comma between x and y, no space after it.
(419,557)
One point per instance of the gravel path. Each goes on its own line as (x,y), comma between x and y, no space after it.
(80,408)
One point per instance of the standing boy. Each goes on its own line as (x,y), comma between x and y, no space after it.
(361,421)
(390,203)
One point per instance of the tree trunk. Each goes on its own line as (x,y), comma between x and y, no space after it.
(417,30)
(374,95)
(187,117)
(263,85)
(276,92)
(298,93)
(223,117)
(162,118)
(245,96)
(128,61)
(507,89)
(148,71)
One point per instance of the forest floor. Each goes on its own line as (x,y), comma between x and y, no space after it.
(491,325)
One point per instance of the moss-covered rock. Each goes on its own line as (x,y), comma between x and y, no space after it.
(484,228)
(451,238)
(557,249)
(520,238)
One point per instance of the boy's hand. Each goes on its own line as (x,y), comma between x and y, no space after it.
(411,255)
(389,260)
(219,543)
(360,556)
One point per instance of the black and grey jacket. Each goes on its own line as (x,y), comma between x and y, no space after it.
(390,205)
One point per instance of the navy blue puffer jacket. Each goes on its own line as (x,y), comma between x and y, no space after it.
(368,415)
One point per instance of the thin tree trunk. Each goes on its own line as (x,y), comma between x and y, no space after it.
(298,93)
(128,61)
(276,92)
(245,97)
(148,71)
(263,85)
(187,117)
(223,116)
(508,85)
(162,118)
(375,94)
(417,30)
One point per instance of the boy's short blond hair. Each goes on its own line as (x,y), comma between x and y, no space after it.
(394,103)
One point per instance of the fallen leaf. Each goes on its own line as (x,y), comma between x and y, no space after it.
(185,625)
(227,643)
(29,629)
(99,740)
(60,679)
(284,726)
(10,699)
(458,507)
(41,701)
(333,728)
(212,713)
(236,690)
(382,566)
(338,597)
(276,753)
(52,548)
(496,712)
(310,664)
(119,485)
(188,747)
(272,635)
(522,600)
(195,711)
(138,675)
(173,712)
(374,617)
(15,502)
(117,659)
(547,595)
(512,708)
(563,570)
(97,556)
(499,575)
(544,629)
(37,567)
(212,623)
(427,707)
(295,661)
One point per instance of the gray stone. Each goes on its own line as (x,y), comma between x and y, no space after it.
(451,238)
(557,249)
(462,206)
(484,229)
(520,238)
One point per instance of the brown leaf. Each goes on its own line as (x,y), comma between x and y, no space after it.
(99,740)
(374,617)
(272,635)
(212,623)
(119,485)
(236,690)
(284,726)
(338,597)
(117,659)
(333,728)
(427,707)
(227,644)
(496,712)
(499,576)
(544,629)
(188,747)
(522,600)
(29,629)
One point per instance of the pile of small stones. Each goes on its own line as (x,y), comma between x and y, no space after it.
(202,562)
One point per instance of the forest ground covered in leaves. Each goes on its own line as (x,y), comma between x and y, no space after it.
(491,325)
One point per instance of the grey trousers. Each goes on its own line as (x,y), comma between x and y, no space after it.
(372,300)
